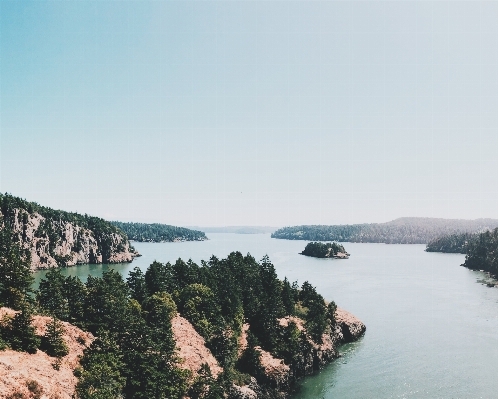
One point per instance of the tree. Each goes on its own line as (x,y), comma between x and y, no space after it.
(51,294)
(288,297)
(100,376)
(74,292)
(198,305)
(154,373)
(184,273)
(158,278)
(265,326)
(317,315)
(21,333)
(15,284)
(106,302)
(138,286)
(52,343)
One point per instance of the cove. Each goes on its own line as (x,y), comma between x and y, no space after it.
(431,328)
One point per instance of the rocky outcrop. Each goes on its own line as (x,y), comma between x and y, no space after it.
(279,377)
(348,327)
(55,243)
(192,347)
(18,370)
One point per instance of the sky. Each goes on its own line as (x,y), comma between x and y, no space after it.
(199,113)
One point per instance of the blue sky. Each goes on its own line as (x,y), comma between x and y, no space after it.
(251,113)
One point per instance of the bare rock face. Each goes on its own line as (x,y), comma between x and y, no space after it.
(348,327)
(192,347)
(55,243)
(19,369)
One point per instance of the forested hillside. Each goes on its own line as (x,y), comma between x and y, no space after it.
(482,252)
(159,232)
(453,243)
(54,238)
(399,231)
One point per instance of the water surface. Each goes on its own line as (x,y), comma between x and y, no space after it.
(431,328)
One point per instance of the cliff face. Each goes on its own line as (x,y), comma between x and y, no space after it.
(62,243)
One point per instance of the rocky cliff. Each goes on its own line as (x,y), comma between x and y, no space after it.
(58,239)
(279,377)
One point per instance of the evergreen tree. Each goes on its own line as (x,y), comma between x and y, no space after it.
(288,297)
(106,302)
(136,283)
(159,278)
(51,294)
(52,343)
(100,376)
(198,305)
(155,373)
(185,273)
(21,333)
(74,292)
(317,315)
(16,278)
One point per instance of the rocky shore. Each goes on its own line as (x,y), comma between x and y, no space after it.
(279,378)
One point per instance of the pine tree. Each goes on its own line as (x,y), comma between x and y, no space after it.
(158,278)
(75,293)
(21,334)
(51,294)
(100,376)
(15,272)
(136,283)
(52,343)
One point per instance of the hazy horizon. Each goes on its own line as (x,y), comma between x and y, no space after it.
(251,113)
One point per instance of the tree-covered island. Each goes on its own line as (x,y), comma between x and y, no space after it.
(328,250)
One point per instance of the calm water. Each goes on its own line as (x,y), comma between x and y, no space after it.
(432,330)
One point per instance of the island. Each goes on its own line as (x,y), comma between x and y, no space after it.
(329,250)
(407,230)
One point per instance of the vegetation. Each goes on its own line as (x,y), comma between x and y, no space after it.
(15,273)
(16,211)
(399,231)
(159,232)
(482,252)
(134,354)
(453,243)
(321,250)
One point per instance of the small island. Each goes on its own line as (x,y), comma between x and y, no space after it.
(328,250)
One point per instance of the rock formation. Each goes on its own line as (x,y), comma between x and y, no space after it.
(57,239)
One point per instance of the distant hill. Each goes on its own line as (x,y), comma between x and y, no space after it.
(239,229)
(159,232)
(409,230)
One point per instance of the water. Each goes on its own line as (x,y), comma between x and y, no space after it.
(431,328)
